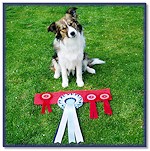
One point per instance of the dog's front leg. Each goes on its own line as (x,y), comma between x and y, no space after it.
(64,77)
(79,80)
(57,69)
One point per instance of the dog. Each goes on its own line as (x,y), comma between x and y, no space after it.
(69,44)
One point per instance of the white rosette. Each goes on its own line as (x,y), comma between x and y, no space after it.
(78,100)
(68,102)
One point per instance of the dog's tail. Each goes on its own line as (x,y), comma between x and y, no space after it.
(92,62)
(89,62)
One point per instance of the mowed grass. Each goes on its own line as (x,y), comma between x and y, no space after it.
(115,34)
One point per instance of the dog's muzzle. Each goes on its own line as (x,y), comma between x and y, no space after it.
(71,32)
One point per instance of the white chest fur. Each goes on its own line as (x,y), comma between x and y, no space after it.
(70,51)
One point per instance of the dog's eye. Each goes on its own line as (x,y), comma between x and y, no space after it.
(70,24)
(64,27)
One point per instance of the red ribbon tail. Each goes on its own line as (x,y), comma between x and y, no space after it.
(49,108)
(93,110)
(46,104)
(43,109)
(107,108)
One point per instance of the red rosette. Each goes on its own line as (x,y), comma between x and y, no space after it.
(105,98)
(93,110)
(91,97)
(46,97)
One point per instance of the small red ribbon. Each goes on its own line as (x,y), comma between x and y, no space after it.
(46,97)
(107,108)
(105,99)
(93,110)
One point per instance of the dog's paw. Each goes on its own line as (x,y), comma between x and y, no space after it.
(80,83)
(91,70)
(56,76)
(64,84)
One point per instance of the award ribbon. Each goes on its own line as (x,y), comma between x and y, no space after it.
(89,96)
(69,103)
(45,97)
(93,109)
(105,99)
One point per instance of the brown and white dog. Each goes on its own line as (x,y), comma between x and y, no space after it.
(69,44)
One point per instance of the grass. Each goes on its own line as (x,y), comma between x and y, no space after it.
(115,34)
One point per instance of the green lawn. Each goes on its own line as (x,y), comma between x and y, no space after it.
(114,33)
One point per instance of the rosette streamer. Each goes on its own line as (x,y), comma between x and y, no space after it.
(93,109)
(105,99)
(69,103)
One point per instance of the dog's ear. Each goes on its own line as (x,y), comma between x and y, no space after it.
(72,11)
(52,27)
(79,27)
